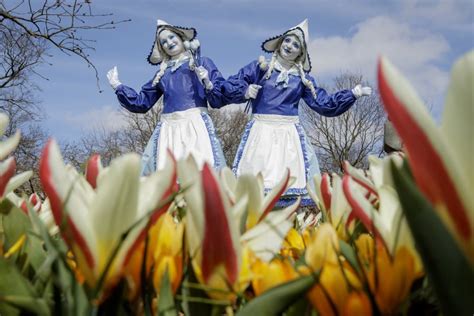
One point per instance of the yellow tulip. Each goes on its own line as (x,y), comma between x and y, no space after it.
(164,252)
(269,275)
(390,279)
(357,304)
(293,245)
(336,283)
(323,247)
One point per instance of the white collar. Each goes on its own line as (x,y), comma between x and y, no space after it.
(176,63)
(292,71)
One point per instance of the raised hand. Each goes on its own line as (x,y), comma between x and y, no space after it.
(360,91)
(112,75)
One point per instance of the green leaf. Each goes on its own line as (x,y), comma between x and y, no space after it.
(299,308)
(166,305)
(278,299)
(15,224)
(60,278)
(447,267)
(350,255)
(189,304)
(16,291)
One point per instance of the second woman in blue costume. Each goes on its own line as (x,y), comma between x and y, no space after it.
(187,83)
(274,139)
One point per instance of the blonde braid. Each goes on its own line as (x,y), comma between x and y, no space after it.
(271,66)
(192,62)
(159,74)
(305,80)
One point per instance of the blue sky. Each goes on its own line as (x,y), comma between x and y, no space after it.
(422,38)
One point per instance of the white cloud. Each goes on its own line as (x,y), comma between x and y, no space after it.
(415,51)
(449,14)
(107,117)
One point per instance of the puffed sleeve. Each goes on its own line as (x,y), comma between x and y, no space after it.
(235,86)
(214,96)
(328,104)
(138,102)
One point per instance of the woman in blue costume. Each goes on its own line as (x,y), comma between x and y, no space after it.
(274,139)
(187,83)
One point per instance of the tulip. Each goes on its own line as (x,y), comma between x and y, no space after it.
(382,216)
(333,203)
(322,248)
(105,225)
(9,182)
(336,278)
(269,275)
(440,157)
(259,204)
(164,251)
(333,291)
(389,277)
(293,246)
(219,243)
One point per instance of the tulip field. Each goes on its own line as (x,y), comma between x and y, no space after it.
(395,239)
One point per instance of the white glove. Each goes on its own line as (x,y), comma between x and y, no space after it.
(112,75)
(203,76)
(360,91)
(252,91)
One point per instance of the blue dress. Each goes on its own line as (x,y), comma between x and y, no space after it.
(183,95)
(277,105)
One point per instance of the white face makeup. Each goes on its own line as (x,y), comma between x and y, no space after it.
(171,43)
(290,48)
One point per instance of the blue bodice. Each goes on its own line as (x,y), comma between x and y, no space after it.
(181,90)
(275,98)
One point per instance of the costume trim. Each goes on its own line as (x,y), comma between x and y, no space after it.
(241,148)
(284,34)
(150,154)
(170,26)
(219,160)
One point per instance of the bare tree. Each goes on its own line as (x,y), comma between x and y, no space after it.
(351,136)
(229,126)
(133,137)
(58,24)
(29,29)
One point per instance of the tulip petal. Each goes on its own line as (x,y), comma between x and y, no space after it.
(8,145)
(457,117)
(340,208)
(361,207)
(70,203)
(219,247)
(154,190)
(358,176)
(248,185)
(4,120)
(18,180)
(116,204)
(326,191)
(274,195)
(229,183)
(431,158)
(188,175)
(265,239)
(92,170)
(7,170)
